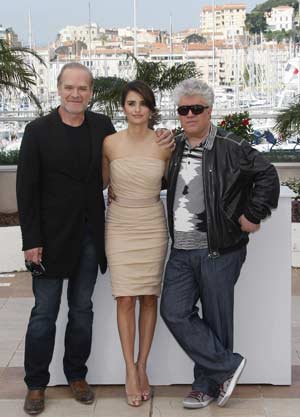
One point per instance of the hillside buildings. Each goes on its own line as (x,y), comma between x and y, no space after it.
(219,48)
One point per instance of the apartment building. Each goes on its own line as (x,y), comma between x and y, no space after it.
(224,21)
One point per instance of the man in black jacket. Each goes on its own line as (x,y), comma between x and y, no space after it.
(219,190)
(61,211)
(61,208)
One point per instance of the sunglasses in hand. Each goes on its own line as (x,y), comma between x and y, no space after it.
(36,270)
(195,109)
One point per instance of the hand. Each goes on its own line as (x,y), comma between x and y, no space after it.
(247,226)
(110,195)
(34,255)
(165,138)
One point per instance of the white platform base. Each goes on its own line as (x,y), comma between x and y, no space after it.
(262,319)
(11,255)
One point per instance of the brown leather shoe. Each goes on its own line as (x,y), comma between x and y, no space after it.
(82,391)
(34,401)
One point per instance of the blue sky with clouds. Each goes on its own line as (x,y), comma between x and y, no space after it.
(48,17)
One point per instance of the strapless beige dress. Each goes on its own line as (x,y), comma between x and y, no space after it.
(136,235)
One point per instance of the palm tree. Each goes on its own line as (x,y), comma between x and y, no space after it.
(107,94)
(162,77)
(159,76)
(16,72)
(288,120)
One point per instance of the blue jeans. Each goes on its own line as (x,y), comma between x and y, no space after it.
(40,337)
(192,276)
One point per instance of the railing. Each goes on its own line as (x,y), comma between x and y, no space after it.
(166,114)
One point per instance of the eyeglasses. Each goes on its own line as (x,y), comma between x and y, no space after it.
(195,109)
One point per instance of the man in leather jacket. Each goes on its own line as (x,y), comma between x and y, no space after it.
(219,190)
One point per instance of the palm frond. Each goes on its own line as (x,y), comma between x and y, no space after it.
(288,120)
(162,77)
(159,76)
(107,93)
(173,75)
(11,86)
(17,72)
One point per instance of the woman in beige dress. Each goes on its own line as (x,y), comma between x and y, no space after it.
(136,231)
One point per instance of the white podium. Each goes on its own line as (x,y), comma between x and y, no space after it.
(262,319)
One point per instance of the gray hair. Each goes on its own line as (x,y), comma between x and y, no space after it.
(75,65)
(192,87)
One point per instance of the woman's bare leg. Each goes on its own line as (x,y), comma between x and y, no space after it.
(147,322)
(126,326)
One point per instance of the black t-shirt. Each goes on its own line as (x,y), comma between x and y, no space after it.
(80,146)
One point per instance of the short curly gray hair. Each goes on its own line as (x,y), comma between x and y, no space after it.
(192,87)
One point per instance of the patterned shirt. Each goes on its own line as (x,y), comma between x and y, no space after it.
(190,227)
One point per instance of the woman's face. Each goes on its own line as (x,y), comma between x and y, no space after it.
(135,109)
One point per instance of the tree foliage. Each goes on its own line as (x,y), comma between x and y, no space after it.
(279,35)
(158,75)
(269,4)
(107,93)
(17,73)
(288,120)
(256,22)
(161,77)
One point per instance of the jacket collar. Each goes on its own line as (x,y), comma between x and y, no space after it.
(96,143)
(209,142)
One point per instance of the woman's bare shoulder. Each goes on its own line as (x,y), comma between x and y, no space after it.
(113,136)
(111,140)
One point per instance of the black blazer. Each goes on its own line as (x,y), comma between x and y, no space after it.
(53,199)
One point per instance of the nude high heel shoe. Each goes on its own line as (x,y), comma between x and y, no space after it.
(133,399)
(146,389)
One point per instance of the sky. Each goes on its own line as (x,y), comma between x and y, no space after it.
(48,17)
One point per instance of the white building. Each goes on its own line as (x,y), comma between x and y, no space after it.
(260,67)
(96,37)
(227,20)
(83,33)
(280,17)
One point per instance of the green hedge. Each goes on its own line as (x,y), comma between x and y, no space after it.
(294,185)
(283,156)
(9,157)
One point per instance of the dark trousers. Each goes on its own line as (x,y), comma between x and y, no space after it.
(191,275)
(40,337)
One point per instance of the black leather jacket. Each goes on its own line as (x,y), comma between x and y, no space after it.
(237,180)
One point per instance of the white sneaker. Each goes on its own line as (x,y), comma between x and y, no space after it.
(197,399)
(226,389)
